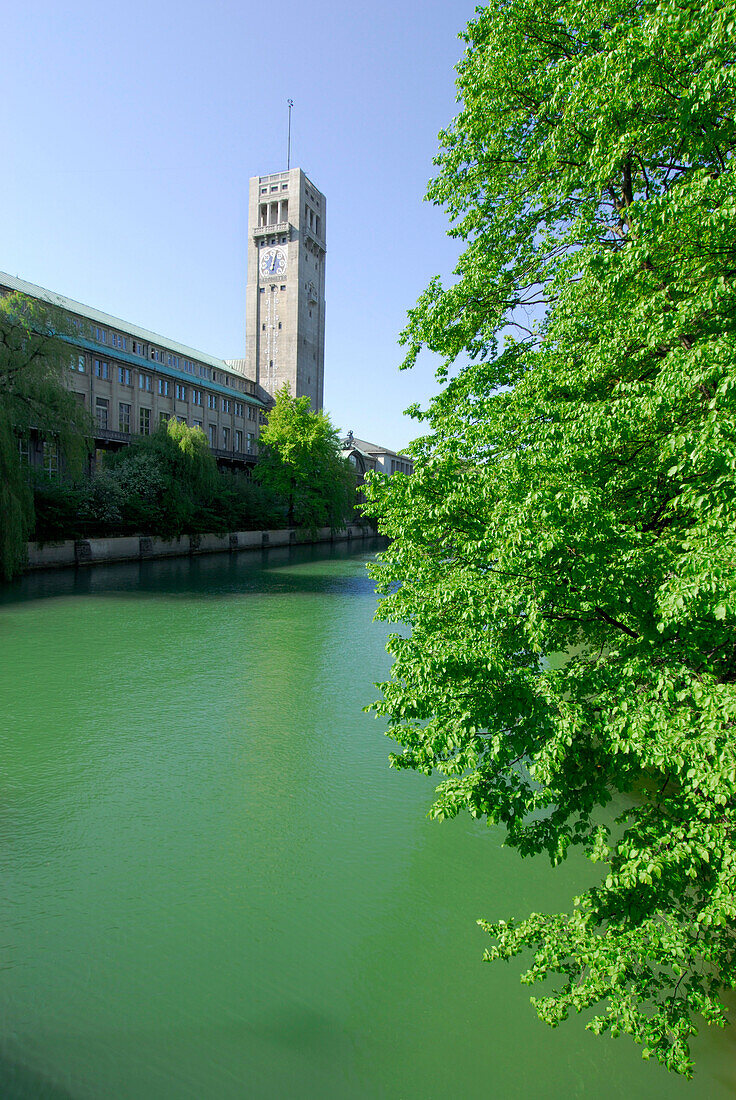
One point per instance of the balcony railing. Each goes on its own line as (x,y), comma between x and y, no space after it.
(109,436)
(234,456)
(270,230)
(106,435)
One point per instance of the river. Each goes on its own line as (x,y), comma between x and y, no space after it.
(213,886)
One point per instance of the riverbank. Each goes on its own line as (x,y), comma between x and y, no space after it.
(73,553)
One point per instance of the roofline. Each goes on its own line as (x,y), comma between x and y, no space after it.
(116,355)
(12,282)
(376,449)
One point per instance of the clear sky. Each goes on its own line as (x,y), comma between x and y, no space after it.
(129,133)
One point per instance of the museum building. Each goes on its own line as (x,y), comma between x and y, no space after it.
(131,379)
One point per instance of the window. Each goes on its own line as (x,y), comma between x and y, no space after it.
(77,363)
(124,376)
(144,382)
(164,418)
(24,450)
(118,341)
(144,421)
(211,401)
(101,407)
(226,438)
(238,440)
(181,392)
(197,424)
(157,355)
(163,387)
(196,397)
(249,411)
(51,458)
(99,334)
(213,435)
(238,408)
(226,405)
(138,348)
(102,369)
(124,417)
(250,443)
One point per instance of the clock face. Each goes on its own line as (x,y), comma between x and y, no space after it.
(273,262)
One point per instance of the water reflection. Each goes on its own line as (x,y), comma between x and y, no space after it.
(206,575)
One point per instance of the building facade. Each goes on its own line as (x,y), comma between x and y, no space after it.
(367,457)
(285,291)
(130,380)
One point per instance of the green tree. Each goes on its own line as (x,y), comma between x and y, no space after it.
(34,361)
(165,483)
(565,553)
(301,463)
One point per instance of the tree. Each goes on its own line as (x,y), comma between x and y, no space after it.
(301,462)
(164,483)
(34,360)
(564,553)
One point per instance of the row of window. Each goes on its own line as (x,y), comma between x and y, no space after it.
(399,467)
(101,369)
(313,220)
(100,335)
(102,411)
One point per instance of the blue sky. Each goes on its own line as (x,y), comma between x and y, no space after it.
(129,133)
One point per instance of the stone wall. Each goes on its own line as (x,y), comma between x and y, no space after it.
(57,555)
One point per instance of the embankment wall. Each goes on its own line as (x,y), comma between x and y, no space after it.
(59,555)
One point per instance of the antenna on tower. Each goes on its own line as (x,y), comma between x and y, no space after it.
(288,140)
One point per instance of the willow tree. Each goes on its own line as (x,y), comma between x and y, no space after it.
(574,495)
(34,361)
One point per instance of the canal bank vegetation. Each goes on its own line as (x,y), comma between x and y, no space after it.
(168,484)
(575,491)
(33,362)
(301,464)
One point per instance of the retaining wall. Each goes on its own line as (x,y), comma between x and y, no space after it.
(57,555)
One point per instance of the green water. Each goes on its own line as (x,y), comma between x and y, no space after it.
(214,886)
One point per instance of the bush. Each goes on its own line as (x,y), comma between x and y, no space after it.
(166,485)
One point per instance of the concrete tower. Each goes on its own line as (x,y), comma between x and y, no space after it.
(285,293)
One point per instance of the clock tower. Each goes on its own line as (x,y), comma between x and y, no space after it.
(285,292)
